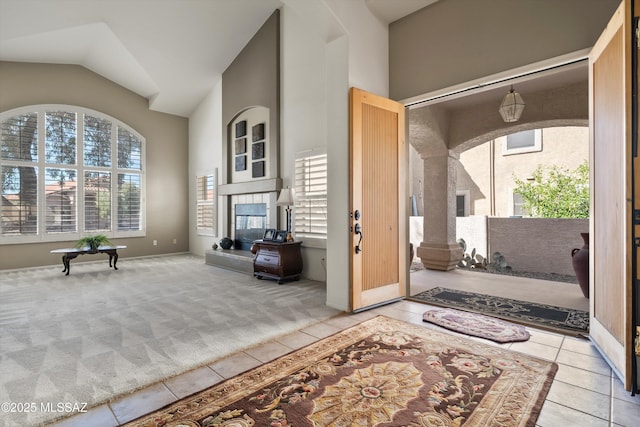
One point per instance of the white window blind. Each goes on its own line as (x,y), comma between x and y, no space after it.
(61,200)
(61,137)
(19,138)
(129,204)
(97,141)
(311,197)
(205,204)
(19,200)
(97,201)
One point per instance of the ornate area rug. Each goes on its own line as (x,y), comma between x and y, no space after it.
(477,325)
(543,316)
(382,372)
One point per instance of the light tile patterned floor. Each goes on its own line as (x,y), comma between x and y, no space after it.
(584,392)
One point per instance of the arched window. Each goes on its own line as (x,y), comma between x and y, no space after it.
(68,171)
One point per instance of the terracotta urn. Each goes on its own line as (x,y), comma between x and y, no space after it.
(580,261)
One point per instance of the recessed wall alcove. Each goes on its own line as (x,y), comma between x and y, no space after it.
(250,172)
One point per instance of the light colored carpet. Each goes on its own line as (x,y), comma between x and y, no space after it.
(101,333)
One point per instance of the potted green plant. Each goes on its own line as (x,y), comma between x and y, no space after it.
(93,242)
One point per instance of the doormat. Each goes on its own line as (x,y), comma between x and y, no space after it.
(382,372)
(543,316)
(477,325)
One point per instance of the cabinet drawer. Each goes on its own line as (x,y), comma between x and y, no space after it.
(268,260)
(270,250)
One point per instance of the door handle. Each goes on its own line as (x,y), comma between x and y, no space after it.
(358,230)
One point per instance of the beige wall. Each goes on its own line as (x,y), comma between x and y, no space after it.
(23,84)
(456,41)
(535,245)
(253,79)
(566,147)
(474,175)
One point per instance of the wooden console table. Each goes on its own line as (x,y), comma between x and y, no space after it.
(279,261)
(71,253)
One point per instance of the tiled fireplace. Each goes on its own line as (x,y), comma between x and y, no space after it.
(247,210)
(245,217)
(249,216)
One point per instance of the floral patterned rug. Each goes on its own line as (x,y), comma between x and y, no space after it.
(476,325)
(382,372)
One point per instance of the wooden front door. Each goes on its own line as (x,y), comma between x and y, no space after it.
(378,199)
(610,100)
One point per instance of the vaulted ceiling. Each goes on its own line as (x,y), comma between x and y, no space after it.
(169,51)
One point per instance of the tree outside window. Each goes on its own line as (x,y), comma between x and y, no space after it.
(555,192)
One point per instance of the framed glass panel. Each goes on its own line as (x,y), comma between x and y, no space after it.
(205,201)
(61,137)
(60,200)
(19,138)
(19,203)
(129,202)
(129,150)
(97,141)
(97,201)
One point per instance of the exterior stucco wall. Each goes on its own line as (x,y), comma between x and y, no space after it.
(474,175)
(473,230)
(567,147)
(537,244)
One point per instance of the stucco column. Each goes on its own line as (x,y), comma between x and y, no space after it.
(439,250)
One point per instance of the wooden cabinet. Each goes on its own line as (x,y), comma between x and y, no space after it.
(279,261)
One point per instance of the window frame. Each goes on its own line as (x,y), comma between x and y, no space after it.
(207,202)
(466,195)
(41,165)
(514,205)
(536,147)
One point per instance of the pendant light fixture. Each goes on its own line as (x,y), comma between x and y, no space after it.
(511,107)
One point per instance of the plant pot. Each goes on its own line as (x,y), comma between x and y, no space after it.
(226,243)
(580,261)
